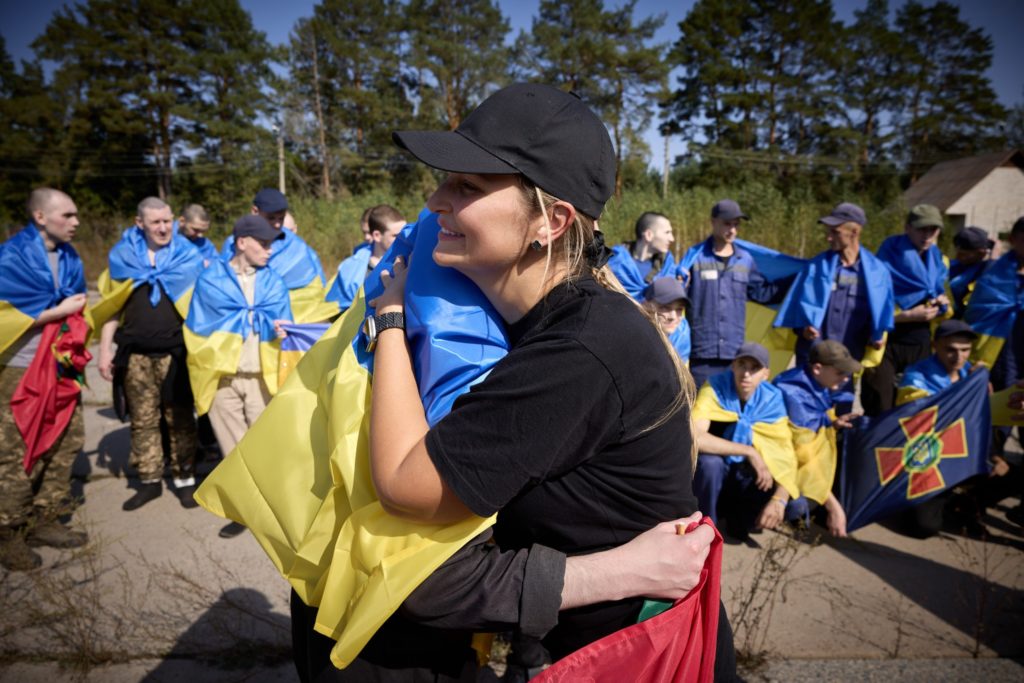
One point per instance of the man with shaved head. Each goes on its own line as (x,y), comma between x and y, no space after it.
(41,285)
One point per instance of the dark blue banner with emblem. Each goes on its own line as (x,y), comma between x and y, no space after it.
(910,454)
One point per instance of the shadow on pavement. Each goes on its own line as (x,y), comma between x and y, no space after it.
(239,632)
(978,606)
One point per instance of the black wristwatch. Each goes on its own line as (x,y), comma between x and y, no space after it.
(376,324)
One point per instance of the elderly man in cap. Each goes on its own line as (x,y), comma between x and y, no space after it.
(720,276)
(973,250)
(292,259)
(636,264)
(746,464)
(234,321)
(843,294)
(809,391)
(666,299)
(919,274)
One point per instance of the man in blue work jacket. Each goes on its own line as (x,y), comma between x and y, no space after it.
(720,276)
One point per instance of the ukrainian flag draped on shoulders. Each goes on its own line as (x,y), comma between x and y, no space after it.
(915,451)
(777,269)
(997,300)
(924,378)
(628,273)
(27,287)
(807,300)
(914,279)
(680,340)
(218,323)
(809,406)
(300,478)
(175,271)
(349,278)
(760,422)
(299,267)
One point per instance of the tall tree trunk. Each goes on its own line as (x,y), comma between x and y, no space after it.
(325,172)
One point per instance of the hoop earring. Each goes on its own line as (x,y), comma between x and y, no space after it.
(536,245)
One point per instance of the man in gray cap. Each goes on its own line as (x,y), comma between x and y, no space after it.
(720,276)
(919,275)
(844,294)
(973,250)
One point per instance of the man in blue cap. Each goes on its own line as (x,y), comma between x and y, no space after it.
(720,276)
(973,250)
(294,260)
(843,294)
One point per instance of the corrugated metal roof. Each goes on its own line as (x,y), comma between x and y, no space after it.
(947,181)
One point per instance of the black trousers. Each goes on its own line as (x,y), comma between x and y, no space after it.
(878,386)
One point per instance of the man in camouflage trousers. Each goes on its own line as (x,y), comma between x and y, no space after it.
(31,502)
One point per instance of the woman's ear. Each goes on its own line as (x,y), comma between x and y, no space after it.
(561,216)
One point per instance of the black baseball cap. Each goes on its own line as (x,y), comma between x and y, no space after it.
(256,226)
(845,213)
(949,328)
(548,135)
(665,290)
(973,239)
(269,200)
(728,210)
(755,351)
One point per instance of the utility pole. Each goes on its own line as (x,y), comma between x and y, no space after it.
(664,171)
(280,157)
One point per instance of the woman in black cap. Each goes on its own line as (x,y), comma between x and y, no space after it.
(581,447)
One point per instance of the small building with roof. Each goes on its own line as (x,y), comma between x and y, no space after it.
(986,191)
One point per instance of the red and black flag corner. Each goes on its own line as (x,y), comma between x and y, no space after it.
(912,453)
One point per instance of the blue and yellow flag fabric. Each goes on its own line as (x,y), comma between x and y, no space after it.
(911,453)
(962,280)
(810,410)
(299,267)
(177,267)
(628,273)
(760,422)
(997,300)
(205,246)
(680,340)
(27,287)
(301,338)
(807,300)
(913,279)
(300,478)
(349,278)
(1004,414)
(218,323)
(924,378)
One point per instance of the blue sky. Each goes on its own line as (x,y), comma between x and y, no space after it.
(1001,19)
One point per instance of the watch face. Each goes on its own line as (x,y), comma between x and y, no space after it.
(371,333)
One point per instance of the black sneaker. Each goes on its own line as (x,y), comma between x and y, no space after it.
(144,494)
(186,494)
(231,530)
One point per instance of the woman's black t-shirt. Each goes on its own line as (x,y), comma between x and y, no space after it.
(558,439)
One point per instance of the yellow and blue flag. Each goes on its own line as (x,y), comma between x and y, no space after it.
(962,280)
(680,340)
(995,304)
(27,287)
(301,338)
(346,282)
(174,274)
(807,300)
(914,279)
(299,267)
(761,422)
(810,410)
(220,319)
(628,273)
(908,455)
(300,478)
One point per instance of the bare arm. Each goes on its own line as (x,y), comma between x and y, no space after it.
(106,361)
(72,304)
(408,485)
(709,444)
(658,563)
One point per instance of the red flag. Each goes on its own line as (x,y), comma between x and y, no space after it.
(675,646)
(46,397)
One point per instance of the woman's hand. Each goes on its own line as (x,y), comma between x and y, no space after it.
(393,298)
